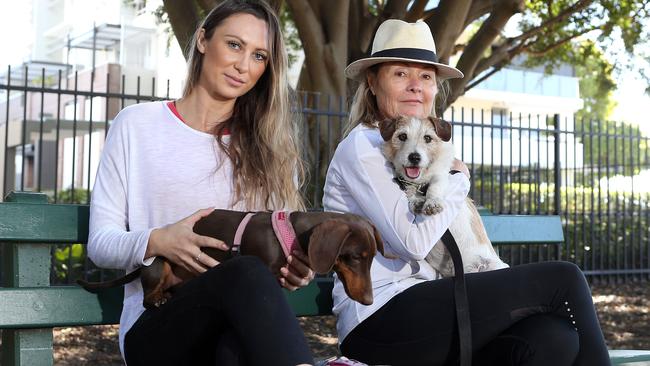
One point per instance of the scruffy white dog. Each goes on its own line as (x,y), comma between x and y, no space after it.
(422,156)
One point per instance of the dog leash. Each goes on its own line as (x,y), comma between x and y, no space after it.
(460,298)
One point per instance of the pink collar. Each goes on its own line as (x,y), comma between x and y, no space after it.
(281,226)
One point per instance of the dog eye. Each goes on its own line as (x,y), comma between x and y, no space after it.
(402,137)
(427,138)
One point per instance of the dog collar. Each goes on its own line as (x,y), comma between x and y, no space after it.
(284,231)
(403,183)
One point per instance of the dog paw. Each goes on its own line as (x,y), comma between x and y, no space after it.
(432,207)
(416,205)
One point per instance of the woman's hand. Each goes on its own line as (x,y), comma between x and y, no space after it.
(460,166)
(296,273)
(179,244)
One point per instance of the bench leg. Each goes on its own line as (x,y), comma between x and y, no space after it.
(26,347)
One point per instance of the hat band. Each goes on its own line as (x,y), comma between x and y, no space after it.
(412,53)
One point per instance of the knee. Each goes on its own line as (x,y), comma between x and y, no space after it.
(570,269)
(566,272)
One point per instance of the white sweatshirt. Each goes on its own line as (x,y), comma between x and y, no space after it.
(154,170)
(360,180)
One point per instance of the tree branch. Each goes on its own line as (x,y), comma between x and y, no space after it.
(308,26)
(477,10)
(184,19)
(581,4)
(395,9)
(474,83)
(559,43)
(417,11)
(485,36)
(447,25)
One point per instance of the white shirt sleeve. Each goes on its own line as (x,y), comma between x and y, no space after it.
(110,243)
(365,174)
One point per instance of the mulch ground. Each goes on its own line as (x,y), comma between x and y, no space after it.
(623,309)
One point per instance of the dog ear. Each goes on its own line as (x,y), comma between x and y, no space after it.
(387,128)
(443,128)
(378,240)
(325,244)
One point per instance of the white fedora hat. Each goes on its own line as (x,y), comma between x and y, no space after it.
(397,40)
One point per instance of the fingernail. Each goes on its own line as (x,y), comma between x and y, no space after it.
(284,270)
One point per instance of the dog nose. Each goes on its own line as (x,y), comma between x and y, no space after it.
(414,158)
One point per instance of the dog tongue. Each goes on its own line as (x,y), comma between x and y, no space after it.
(412,172)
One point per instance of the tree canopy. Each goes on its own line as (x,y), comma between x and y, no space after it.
(469,34)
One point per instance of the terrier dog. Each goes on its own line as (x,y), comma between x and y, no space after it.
(422,156)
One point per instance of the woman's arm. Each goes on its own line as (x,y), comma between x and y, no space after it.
(361,168)
(110,244)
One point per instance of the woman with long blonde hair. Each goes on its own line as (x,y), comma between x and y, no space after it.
(230,142)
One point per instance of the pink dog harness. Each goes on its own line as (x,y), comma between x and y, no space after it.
(281,227)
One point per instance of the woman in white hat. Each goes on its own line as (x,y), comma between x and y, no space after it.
(536,314)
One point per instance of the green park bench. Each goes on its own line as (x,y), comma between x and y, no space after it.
(30,307)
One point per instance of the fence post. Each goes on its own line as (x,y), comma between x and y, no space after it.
(557,168)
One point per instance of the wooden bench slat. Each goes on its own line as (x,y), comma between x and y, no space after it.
(314,299)
(40,307)
(630,357)
(523,229)
(43,223)
(30,307)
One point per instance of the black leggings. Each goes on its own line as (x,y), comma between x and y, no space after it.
(535,314)
(233,314)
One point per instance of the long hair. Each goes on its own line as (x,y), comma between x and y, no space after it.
(264,135)
(364,109)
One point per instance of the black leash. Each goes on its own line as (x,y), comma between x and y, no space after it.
(460,298)
(460,290)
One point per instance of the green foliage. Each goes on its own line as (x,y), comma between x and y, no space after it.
(615,145)
(68,261)
(290,34)
(596,82)
(79,196)
(586,39)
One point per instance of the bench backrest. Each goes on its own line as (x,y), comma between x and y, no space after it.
(29,224)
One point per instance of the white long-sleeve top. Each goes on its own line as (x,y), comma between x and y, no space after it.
(360,180)
(154,170)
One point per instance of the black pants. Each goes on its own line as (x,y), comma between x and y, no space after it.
(233,314)
(535,314)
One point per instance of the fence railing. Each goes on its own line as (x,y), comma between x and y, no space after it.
(596,175)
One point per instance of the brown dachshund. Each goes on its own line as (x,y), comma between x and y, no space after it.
(345,243)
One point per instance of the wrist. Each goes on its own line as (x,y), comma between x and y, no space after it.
(152,247)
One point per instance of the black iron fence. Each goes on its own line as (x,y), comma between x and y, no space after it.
(596,175)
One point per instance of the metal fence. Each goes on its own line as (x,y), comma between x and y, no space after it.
(595,175)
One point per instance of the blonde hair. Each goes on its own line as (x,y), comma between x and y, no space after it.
(264,135)
(364,109)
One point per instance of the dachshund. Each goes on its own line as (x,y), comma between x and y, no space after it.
(342,242)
